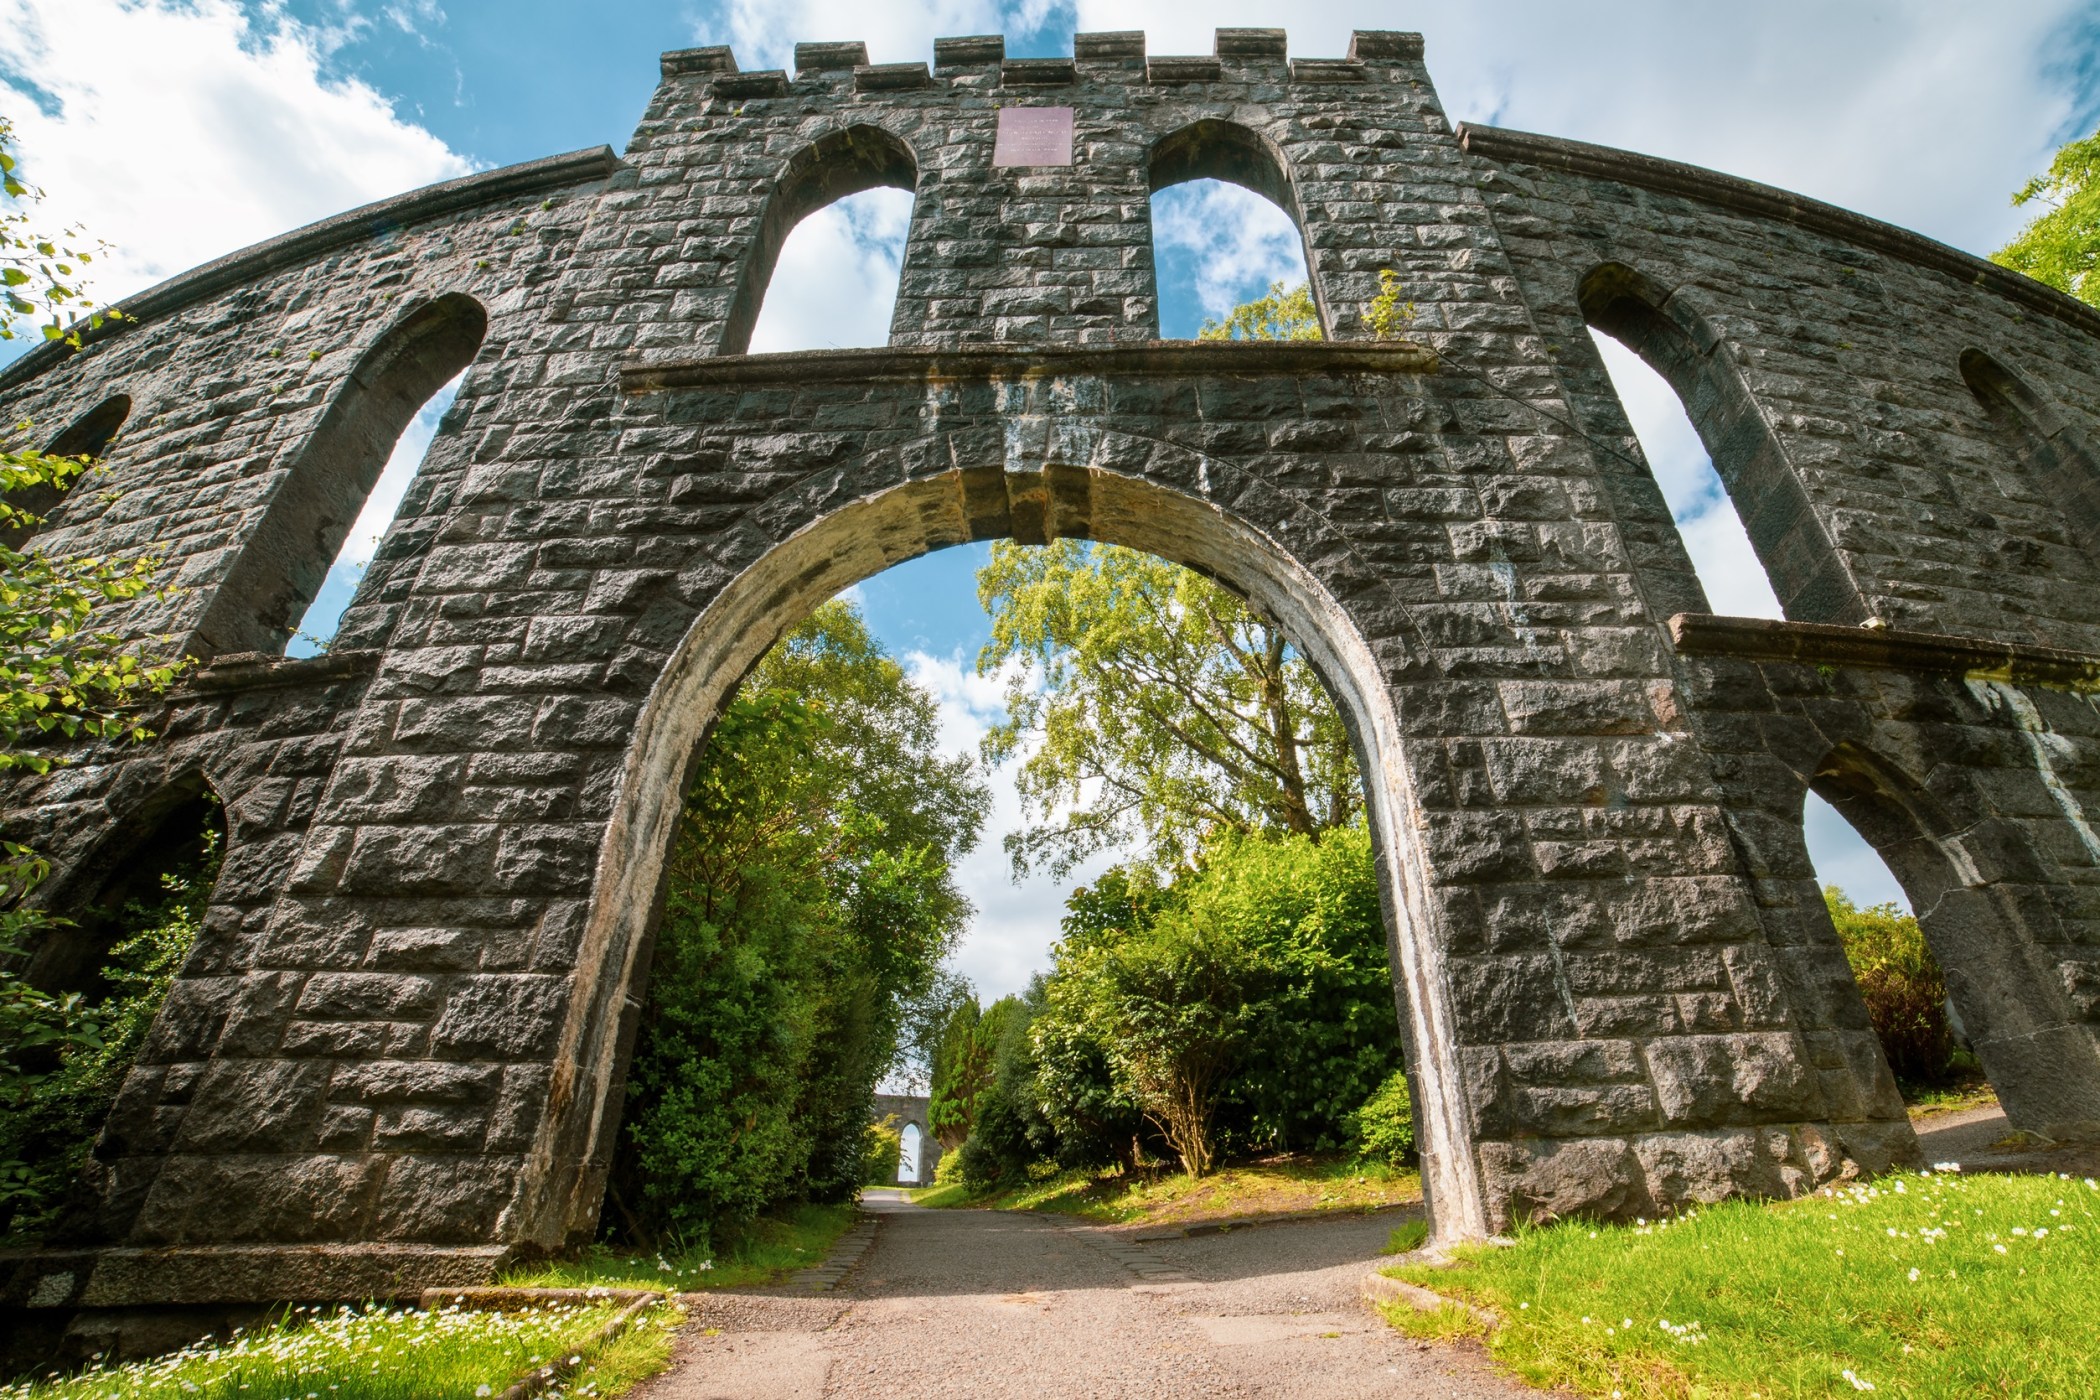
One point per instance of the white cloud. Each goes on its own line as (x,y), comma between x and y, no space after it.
(1010,938)
(764,32)
(180,130)
(1236,242)
(1928,114)
(836,282)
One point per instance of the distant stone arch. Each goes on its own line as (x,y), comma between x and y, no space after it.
(1963,877)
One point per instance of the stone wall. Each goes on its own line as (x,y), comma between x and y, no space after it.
(395,1058)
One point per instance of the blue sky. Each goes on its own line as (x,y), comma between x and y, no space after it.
(181,129)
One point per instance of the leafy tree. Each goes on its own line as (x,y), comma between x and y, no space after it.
(62,677)
(811,899)
(1155,707)
(1906,994)
(1173,1008)
(1285,313)
(2062,245)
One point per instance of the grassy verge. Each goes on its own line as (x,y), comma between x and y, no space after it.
(771,1249)
(1273,1187)
(378,1354)
(1932,1285)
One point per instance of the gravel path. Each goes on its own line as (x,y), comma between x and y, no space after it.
(999,1303)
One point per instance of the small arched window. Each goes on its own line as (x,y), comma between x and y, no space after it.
(839,266)
(89,436)
(1806,573)
(2066,468)
(1226,226)
(306,523)
(151,874)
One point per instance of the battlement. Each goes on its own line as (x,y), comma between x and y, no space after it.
(1374,55)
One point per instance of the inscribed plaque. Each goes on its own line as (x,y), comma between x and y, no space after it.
(1034,136)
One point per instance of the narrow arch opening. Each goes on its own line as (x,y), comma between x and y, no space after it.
(1806,577)
(113,931)
(909,1145)
(89,436)
(832,279)
(2065,465)
(1226,231)
(1966,988)
(307,525)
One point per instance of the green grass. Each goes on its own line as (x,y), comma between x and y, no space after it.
(369,1354)
(1928,1285)
(1275,1186)
(771,1249)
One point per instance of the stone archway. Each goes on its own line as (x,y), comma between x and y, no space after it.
(1174,507)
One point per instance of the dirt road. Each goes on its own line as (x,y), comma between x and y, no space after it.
(994,1303)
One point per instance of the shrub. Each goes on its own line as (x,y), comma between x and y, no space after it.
(1905,994)
(977,1165)
(948,1169)
(1383,1130)
(882,1147)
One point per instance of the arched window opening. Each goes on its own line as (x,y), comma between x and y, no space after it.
(1727,566)
(909,1145)
(1225,231)
(115,931)
(2066,467)
(307,524)
(1807,577)
(829,280)
(1963,992)
(835,284)
(89,436)
(316,628)
(156,867)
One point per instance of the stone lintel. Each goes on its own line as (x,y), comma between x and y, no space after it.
(715,58)
(827,58)
(894,364)
(1385,45)
(240,1273)
(1190,68)
(970,49)
(1113,43)
(1819,644)
(891,77)
(255,670)
(1250,43)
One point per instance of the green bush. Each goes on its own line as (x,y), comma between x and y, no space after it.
(1905,993)
(948,1170)
(977,1165)
(882,1146)
(1383,1130)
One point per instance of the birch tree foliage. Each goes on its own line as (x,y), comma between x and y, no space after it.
(2062,245)
(1150,708)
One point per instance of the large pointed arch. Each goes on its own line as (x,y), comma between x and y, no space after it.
(789,578)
